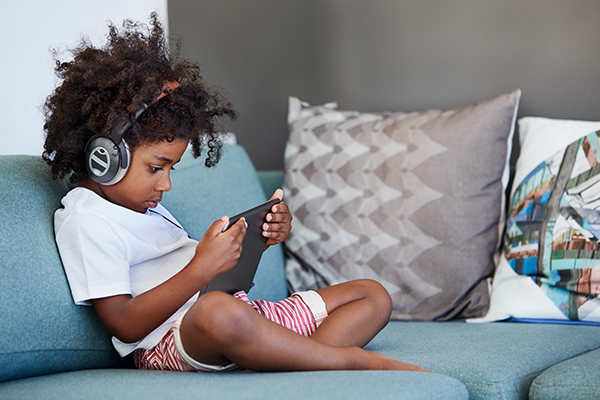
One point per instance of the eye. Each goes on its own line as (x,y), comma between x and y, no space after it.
(155,169)
(172,168)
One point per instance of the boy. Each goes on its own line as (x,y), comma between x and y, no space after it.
(119,122)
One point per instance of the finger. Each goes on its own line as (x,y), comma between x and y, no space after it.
(242,221)
(239,228)
(281,218)
(279,213)
(273,234)
(275,238)
(272,241)
(276,227)
(278,234)
(282,207)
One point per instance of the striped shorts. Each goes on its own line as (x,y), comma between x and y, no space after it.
(303,312)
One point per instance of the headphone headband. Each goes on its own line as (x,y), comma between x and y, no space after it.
(168,87)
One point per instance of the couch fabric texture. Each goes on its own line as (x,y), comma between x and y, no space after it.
(575,379)
(42,331)
(52,349)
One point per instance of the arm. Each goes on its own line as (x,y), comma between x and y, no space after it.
(279,222)
(132,318)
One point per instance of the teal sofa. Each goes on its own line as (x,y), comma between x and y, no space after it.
(52,349)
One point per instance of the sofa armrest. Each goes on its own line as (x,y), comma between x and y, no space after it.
(270,180)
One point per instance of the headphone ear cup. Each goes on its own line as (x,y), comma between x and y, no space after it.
(124,161)
(106,162)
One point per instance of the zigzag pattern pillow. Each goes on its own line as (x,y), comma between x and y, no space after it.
(412,200)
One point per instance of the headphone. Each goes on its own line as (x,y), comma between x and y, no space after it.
(107,159)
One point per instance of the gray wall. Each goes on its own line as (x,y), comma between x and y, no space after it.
(385,55)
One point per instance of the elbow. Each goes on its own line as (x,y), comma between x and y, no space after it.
(114,314)
(125,333)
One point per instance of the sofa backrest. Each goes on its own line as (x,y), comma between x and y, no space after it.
(41,330)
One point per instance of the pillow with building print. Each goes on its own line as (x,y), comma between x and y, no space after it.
(550,268)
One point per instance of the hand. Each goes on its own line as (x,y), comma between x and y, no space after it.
(279,221)
(219,251)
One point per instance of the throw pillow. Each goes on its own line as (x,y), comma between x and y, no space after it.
(412,200)
(550,268)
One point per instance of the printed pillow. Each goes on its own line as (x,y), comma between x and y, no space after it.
(412,200)
(550,268)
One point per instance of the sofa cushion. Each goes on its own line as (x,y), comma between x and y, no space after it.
(415,201)
(138,384)
(41,331)
(202,195)
(554,208)
(495,360)
(575,379)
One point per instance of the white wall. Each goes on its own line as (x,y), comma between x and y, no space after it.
(29,29)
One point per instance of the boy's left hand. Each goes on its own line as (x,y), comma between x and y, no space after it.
(279,221)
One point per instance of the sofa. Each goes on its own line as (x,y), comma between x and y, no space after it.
(52,349)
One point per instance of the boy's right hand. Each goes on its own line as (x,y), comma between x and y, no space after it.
(219,251)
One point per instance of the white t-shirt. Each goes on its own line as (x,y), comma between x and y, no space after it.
(108,250)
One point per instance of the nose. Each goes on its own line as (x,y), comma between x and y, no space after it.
(164,183)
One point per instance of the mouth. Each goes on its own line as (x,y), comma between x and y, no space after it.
(153,203)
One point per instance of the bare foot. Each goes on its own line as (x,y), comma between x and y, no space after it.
(391,364)
(402,366)
(370,360)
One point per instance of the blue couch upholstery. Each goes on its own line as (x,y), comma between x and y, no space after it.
(50,348)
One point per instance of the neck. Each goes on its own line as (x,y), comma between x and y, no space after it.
(95,187)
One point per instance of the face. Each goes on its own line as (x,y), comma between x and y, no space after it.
(147,178)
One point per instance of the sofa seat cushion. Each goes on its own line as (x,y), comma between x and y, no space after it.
(494,361)
(575,379)
(138,384)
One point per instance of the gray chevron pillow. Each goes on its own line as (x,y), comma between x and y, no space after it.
(412,200)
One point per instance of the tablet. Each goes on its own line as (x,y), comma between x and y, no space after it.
(241,276)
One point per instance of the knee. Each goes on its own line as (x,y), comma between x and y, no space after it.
(378,296)
(218,316)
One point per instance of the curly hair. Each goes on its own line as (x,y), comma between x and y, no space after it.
(103,87)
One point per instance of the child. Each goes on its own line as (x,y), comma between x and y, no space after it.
(119,122)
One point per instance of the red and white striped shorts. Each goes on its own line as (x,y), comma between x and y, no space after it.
(303,312)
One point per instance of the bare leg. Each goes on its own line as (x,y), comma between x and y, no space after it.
(219,329)
(357,310)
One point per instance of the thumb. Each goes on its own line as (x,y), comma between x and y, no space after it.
(218,226)
(277,195)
